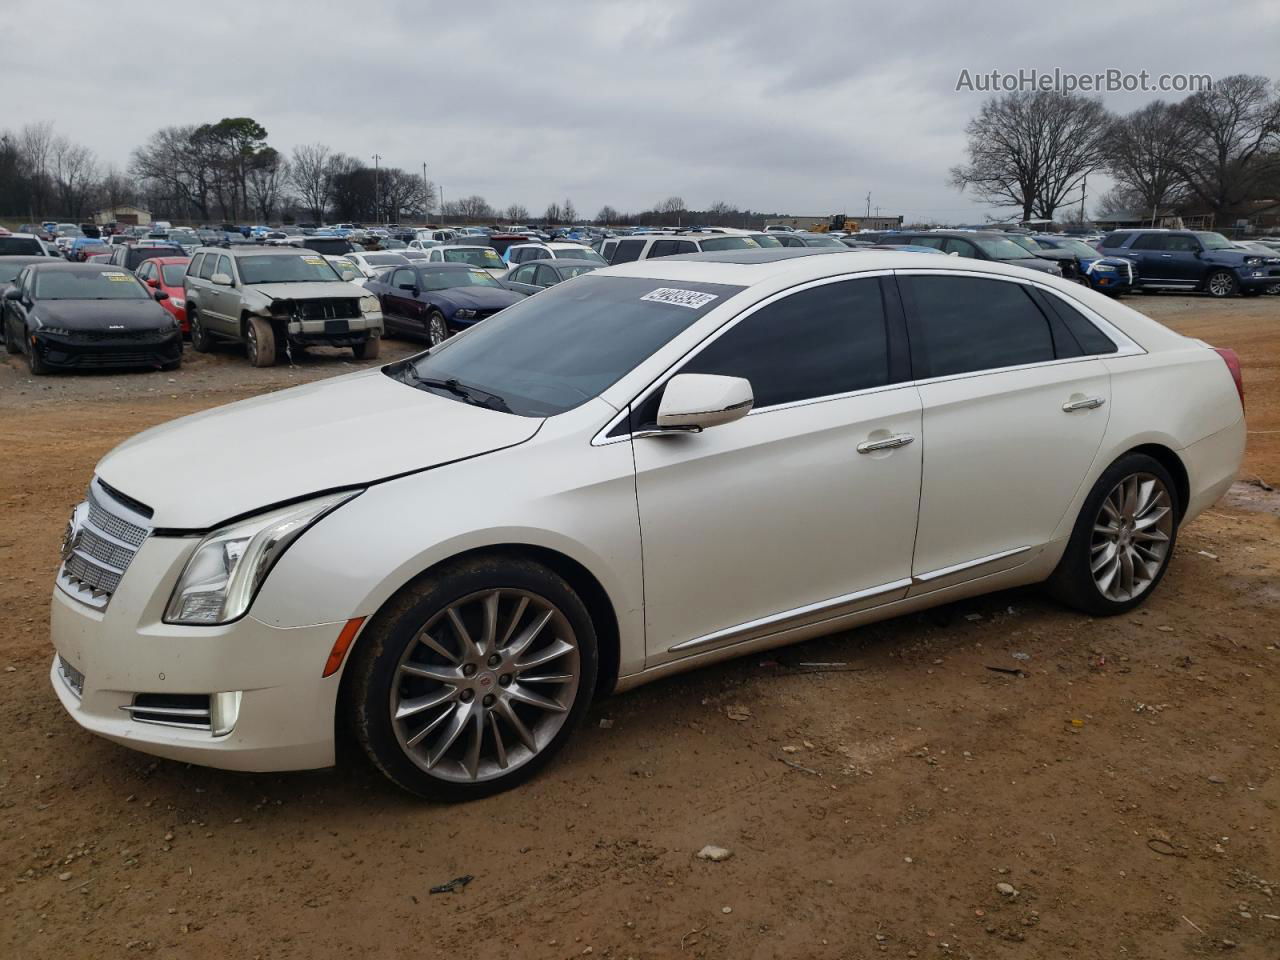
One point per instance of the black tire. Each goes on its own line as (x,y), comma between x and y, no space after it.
(1073,582)
(35,363)
(373,677)
(368,350)
(260,342)
(10,344)
(435,326)
(201,341)
(1221,284)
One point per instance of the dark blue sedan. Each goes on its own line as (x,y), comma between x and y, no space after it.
(437,299)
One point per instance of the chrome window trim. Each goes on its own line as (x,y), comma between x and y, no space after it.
(1125,345)
(967,565)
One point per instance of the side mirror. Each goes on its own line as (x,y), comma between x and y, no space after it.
(220,280)
(13,293)
(692,402)
(409,287)
(160,295)
(152,282)
(349,275)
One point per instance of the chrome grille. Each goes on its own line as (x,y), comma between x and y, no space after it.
(171,710)
(100,544)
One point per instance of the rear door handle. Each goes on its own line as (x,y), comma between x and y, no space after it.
(888,443)
(1088,403)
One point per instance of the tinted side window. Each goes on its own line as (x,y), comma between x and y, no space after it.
(626,251)
(404,277)
(1114,239)
(1149,241)
(662,248)
(209,267)
(822,341)
(686,246)
(524,274)
(224,266)
(962,324)
(547,277)
(193,269)
(1092,340)
(962,248)
(1181,243)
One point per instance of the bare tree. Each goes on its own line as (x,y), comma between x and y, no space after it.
(1032,150)
(607,215)
(73,170)
(35,148)
(311,173)
(181,164)
(671,209)
(516,213)
(1140,151)
(568,211)
(553,213)
(266,182)
(474,208)
(1121,201)
(115,189)
(1230,143)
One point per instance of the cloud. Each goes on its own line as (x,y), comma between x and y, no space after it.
(799,106)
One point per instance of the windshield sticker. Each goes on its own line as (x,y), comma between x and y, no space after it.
(693,299)
(749,242)
(117,276)
(319,261)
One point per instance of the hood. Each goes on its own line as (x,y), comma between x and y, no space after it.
(1057,255)
(309,290)
(140,314)
(207,468)
(482,298)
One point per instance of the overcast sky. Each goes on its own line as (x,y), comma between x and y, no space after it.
(769,104)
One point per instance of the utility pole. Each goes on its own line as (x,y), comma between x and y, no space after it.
(426,195)
(377,207)
(868,204)
(1083,190)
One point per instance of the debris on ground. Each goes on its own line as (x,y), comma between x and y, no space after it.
(454,885)
(713,853)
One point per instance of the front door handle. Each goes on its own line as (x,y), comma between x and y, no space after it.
(1088,403)
(888,443)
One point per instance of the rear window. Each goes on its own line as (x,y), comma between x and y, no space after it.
(173,274)
(20,245)
(729,243)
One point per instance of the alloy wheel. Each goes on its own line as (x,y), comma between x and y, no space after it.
(437,331)
(251,344)
(1221,284)
(485,685)
(1131,537)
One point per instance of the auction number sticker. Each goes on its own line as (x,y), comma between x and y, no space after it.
(319,261)
(693,299)
(116,275)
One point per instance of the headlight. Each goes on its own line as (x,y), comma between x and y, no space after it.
(56,331)
(369,305)
(1103,268)
(224,574)
(465,314)
(1254,261)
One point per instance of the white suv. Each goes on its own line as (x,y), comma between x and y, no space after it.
(648,246)
(804,444)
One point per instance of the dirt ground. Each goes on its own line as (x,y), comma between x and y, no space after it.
(1125,784)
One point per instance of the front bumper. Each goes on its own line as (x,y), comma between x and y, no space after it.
(1258,278)
(338,333)
(96,351)
(285,716)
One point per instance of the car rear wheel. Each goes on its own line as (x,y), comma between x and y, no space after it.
(470,681)
(437,329)
(1123,539)
(1222,283)
(260,342)
(35,362)
(10,342)
(201,342)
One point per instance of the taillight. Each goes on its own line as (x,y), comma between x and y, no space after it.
(1233,364)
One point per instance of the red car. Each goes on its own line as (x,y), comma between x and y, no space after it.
(166,273)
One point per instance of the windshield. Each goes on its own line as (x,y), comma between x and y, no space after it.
(728,243)
(557,350)
(582,253)
(302,268)
(19,245)
(1001,248)
(384,259)
(77,285)
(1079,248)
(1214,241)
(568,273)
(10,269)
(444,279)
(820,241)
(476,256)
(1026,243)
(173,273)
(764,240)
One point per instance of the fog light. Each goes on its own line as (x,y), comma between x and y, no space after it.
(224,711)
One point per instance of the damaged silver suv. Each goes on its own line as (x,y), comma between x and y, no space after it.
(276,300)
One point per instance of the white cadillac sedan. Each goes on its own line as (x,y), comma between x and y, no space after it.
(652,468)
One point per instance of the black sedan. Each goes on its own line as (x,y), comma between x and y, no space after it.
(437,299)
(86,315)
(539,274)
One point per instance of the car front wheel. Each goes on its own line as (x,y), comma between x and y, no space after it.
(1222,283)
(437,329)
(470,681)
(1123,539)
(260,342)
